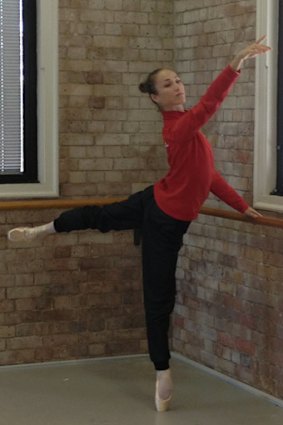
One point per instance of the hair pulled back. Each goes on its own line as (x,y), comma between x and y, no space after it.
(148,85)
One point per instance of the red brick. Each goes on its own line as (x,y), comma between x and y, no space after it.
(97,350)
(15,357)
(226,340)
(59,340)
(7,306)
(246,347)
(62,252)
(19,343)
(7,331)
(24,292)
(95,77)
(96,102)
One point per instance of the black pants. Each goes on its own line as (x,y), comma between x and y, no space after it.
(162,238)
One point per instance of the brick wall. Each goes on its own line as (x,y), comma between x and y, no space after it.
(228,313)
(108,130)
(79,295)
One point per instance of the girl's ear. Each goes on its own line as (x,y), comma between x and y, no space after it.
(154,98)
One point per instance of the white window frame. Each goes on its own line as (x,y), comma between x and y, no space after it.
(47,109)
(265,162)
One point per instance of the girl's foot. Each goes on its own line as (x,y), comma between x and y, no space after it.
(21,234)
(163,390)
(26,234)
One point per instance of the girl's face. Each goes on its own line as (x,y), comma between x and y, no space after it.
(170,91)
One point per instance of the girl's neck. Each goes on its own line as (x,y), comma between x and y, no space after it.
(177,108)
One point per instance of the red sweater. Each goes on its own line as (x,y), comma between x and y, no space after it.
(192,174)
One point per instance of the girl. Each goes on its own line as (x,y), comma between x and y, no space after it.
(164,211)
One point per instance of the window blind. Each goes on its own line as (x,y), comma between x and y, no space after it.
(11,87)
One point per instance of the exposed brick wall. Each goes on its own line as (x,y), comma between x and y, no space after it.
(80,295)
(110,134)
(229,305)
(71,296)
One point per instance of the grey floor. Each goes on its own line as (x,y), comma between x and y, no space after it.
(120,392)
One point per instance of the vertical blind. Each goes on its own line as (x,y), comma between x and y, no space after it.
(11,87)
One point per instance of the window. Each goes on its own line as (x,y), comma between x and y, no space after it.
(18,96)
(265,153)
(279,180)
(28,98)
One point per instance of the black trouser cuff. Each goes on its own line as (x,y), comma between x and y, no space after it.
(162,365)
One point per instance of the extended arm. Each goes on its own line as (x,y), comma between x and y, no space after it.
(227,194)
(198,115)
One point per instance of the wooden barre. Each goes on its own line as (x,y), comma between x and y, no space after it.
(266,220)
(74,203)
(45,204)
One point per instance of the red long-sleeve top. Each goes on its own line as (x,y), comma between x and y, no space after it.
(192,174)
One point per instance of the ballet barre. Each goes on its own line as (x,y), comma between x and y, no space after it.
(36,204)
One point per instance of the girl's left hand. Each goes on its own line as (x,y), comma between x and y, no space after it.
(250,212)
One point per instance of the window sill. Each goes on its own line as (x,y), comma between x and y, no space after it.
(269,203)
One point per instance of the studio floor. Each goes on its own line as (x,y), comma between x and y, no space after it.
(120,391)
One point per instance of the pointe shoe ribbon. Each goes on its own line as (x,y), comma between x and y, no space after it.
(161,405)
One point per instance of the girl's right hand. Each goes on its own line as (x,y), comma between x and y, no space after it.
(248,52)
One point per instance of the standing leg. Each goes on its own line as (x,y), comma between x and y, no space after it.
(162,240)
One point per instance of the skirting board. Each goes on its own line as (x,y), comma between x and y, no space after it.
(278,402)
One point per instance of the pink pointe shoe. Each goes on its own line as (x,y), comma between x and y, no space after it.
(26,234)
(163,390)
(21,234)
(160,404)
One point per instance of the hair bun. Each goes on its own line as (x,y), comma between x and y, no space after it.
(143,87)
(148,85)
